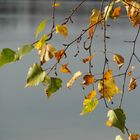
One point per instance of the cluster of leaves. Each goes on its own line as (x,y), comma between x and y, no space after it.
(106,85)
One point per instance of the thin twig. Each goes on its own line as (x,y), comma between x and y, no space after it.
(130,60)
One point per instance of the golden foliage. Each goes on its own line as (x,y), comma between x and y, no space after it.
(94,18)
(133,11)
(59,54)
(116,12)
(62,29)
(64,69)
(89,58)
(107,87)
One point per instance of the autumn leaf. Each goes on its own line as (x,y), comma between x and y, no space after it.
(107,87)
(119,60)
(89,105)
(64,69)
(74,78)
(54,85)
(116,118)
(134,136)
(62,29)
(88,79)
(59,54)
(41,27)
(108,74)
(108,10)
(116,12)
(85,60)
(133,12)
(41,42)
(94,18)
(46,52)
(35,75)
(132,84)
(56,5)
(119,138)
(91,95)
(131,71)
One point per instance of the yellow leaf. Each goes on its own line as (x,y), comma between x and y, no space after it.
(73,79)
(46,52)
(134,136)
(108,88)
(88,79)
(91,95)
(85,60)
(108,10)
(41,42)
(89,105)
(62,29)
(119,60)
(59,54)
(133,12)
(64,69)
(116,12)
(118,138)
(132,84)
(94,18)
(56,5)
(109,123)
(108,74)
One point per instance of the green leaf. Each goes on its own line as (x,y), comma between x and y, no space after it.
(35,75)
(89,105)
(46,81)
(54,85)
(116,118)
(40,27)
(24,50)
(7,56)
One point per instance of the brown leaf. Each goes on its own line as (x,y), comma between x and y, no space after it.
(119,60)
(88,79)
(132,84)
(46,53)
(131,71)
(85,60)
(134,136)
(116,12)
(59,54)
(64,69)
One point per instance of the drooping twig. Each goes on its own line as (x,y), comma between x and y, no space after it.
(129,63)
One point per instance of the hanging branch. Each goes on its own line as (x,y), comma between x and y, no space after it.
(129,63)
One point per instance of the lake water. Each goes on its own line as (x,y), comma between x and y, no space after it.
(26,113)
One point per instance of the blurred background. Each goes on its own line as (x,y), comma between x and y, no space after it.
(26,113)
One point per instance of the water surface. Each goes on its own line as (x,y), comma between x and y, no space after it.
(26,113)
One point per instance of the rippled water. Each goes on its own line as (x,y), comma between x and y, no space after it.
(26,113)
